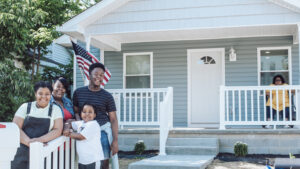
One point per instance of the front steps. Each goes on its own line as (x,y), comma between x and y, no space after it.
(192,146)
(182,153)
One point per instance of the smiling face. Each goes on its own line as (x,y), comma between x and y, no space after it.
(58,90)
(97,76)
(88,113)
(278,81)
(43,95)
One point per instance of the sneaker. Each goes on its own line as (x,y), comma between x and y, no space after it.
(268,127)
(286,127)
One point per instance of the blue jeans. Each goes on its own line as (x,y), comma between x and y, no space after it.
(274,112)
(105,145)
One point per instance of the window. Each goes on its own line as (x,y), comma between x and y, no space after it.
(274,61)
(138,70)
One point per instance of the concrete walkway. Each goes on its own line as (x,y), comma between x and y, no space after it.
(174,162)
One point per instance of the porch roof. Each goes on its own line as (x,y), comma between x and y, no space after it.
(108,33)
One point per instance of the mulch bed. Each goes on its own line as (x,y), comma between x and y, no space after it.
(264,159)
(133,155)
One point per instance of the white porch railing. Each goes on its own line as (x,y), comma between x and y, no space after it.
(57,154)
(166,120)
(247,105)
(138,107)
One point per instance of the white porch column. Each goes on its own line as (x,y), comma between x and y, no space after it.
(88,48)
(102,56)
(74,68)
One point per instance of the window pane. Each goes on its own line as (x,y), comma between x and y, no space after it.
(266,78)
(274,60)
(138,64)
(138,82)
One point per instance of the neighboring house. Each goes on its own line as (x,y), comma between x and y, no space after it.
(59,54)
(216,54)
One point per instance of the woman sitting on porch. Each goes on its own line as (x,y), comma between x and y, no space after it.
(281,107)
(39,121)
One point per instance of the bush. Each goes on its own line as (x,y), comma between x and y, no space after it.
(140,147)
(240,149)
(16,88)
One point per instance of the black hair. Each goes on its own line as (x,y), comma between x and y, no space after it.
(63,81)
(280,76)
(88,104)
(42,84)
(96,65)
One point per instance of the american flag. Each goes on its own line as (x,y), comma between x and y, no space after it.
(85,59)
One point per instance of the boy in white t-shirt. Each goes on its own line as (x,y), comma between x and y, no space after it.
(87,135)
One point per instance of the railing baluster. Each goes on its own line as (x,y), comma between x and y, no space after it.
(55,158)
(147,107)
(258,105)
(252,106)
(271,105)
(158,95)
(67,154)
(125,109)
(246,105)
(283,100)
(233,105)
(297,104)
(277,105)
(72,154)
(240,108)
(135,106)
(61,156)
(265,107)
(141,107)
(48,162)
(130,107)
(290,103)
(152,105)
(227,105)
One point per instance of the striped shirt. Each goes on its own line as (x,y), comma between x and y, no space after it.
(102,100)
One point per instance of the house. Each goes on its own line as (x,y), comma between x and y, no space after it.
(219,56)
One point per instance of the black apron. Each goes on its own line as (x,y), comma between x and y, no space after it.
(33,127)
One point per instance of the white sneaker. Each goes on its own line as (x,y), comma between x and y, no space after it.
(286,127)
(268,126)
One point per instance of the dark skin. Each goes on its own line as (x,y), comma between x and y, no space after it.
(96,78)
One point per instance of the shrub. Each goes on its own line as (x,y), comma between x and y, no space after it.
(240,149)
(140,147)
(16,88)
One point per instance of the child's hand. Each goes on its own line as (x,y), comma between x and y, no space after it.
(66,132)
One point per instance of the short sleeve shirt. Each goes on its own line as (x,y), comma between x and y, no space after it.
(102,100)
(39,112)
(89,150)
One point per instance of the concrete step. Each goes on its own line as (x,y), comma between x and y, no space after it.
(192,150)
(211,142)
(173,162)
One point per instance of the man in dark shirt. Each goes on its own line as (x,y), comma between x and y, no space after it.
(105,109)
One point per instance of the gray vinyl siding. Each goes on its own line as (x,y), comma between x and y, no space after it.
(58,54)
(79,75)
(170,65)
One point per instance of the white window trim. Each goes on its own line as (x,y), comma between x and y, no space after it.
(275,48)
(139,53)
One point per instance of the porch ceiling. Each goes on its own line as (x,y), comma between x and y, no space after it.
(197,34)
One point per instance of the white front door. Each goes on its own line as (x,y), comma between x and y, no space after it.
(205,73)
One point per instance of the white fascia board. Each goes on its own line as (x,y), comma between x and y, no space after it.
(293,5)
(91,15)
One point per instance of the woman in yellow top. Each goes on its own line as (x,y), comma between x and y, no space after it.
(283,100)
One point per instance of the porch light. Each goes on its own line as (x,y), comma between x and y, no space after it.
(232,55)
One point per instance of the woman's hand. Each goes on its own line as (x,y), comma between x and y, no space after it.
(114,147)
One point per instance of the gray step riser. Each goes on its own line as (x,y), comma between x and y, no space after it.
(191,151)
(193,142)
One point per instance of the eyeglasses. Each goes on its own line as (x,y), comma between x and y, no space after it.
(278,80)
